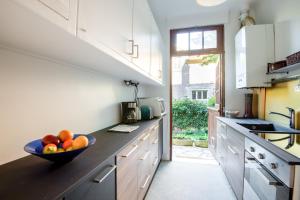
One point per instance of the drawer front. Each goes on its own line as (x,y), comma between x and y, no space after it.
(101,184)
(221,128)
(235,161)
(127,167)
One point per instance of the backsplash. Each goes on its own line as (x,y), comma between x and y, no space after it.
(277,99)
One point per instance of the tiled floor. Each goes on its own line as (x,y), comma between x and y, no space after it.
(192,175)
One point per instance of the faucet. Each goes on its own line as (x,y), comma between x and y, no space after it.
(291,117)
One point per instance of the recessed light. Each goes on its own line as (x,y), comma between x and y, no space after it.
(209,3)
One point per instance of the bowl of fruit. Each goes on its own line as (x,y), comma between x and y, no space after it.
(62,148)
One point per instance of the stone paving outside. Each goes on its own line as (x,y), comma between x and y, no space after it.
(193,154)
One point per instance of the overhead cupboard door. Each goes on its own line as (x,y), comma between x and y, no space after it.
(142,25)
(61,7)
(107,23)
(156,52)
(60,12)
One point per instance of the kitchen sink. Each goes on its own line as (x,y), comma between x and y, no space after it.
(268,128)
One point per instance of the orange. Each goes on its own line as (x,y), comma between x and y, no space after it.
(65,135)
(80,142)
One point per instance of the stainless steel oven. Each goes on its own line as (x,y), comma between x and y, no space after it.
(260,184)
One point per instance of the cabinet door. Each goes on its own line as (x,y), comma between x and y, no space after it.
(212,130)
(156,52)
(221,144)
(127,172)
(107,23)
(142,34)
(235,161)
(144,162)
(60,12)
(101,185)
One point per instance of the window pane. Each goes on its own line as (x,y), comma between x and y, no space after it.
(182,41)
(195,40)
(204,94)
(193,94)
(199,95)
(210,39)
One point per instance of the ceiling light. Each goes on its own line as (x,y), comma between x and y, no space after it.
(210,2)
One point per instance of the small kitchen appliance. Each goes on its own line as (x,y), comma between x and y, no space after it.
(129,112)
(156,103)
(146,112)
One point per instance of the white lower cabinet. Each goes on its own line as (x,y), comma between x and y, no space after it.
(136,165)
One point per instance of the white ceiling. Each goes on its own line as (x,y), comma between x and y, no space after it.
(170,9)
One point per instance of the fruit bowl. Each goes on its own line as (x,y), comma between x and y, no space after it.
(36,148)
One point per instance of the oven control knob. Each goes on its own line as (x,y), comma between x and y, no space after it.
(261,156)
(273,166)
(252,149)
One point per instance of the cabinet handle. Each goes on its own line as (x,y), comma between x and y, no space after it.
(156,141)
(232,151)
(146,137)
(82,29)
(145,156)
(145,184)
(100,178)
(155,162)
(130,152)
(132,44)
(137,51)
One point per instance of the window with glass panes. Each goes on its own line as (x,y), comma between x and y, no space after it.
(197,40)
(199,94)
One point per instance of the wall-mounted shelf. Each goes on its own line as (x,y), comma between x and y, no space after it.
(282,80)
(286,70)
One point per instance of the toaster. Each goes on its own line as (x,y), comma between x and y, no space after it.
(156,103)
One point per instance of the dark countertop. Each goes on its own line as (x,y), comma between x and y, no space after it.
(287,157)
(33,178)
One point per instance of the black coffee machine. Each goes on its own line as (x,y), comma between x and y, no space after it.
(129,112)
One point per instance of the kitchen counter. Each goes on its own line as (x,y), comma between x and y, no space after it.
(287,157)
(33,178)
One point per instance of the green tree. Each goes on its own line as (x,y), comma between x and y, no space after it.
(189,114)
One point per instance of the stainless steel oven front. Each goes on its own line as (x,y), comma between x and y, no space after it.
(261,184)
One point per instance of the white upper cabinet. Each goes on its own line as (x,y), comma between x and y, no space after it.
(108,23)
(142,25)
(118,37)
(156,53)
(60,12)
(254,46)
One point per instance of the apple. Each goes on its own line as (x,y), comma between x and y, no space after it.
(67,144)
(50,139)
(50,148)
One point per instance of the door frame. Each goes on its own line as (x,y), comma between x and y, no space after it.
(219,50)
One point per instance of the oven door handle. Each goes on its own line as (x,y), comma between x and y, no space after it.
(268,178)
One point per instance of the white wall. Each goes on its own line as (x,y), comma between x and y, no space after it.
(234,98)
(39,96)
(274,11)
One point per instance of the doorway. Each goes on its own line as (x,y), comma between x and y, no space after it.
(197,68)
